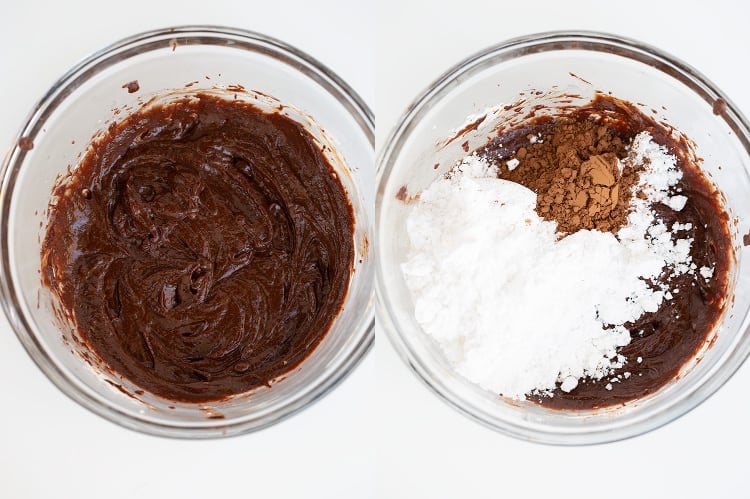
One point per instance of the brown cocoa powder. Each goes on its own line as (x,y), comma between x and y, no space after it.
(574,171)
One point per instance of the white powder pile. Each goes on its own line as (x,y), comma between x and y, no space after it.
(518,310)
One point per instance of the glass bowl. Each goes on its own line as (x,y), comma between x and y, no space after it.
(85,101)
(537,68)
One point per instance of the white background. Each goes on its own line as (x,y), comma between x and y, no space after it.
(381,433)
(428,450)
(52,448)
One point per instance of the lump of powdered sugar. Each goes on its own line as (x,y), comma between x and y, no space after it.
(518,310)
(656,180)
(706,272)
(660,172)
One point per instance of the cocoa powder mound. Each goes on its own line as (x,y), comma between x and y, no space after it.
(573,168)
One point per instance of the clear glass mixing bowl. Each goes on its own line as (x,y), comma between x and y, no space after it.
(82,103)
(572,63)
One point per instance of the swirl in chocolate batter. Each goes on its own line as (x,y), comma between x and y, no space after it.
(202,247)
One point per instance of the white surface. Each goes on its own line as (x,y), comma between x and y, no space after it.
(49,446)
(428,450)
(389,438)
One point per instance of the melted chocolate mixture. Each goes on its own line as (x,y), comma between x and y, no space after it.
(203,248)
(667,339)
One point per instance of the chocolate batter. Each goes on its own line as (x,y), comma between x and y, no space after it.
(587,138)
(202,248)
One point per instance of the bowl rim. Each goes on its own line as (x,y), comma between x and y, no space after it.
(550,41)
(207,35)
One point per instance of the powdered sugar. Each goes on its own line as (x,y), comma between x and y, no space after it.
(518,310)
(706,273)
